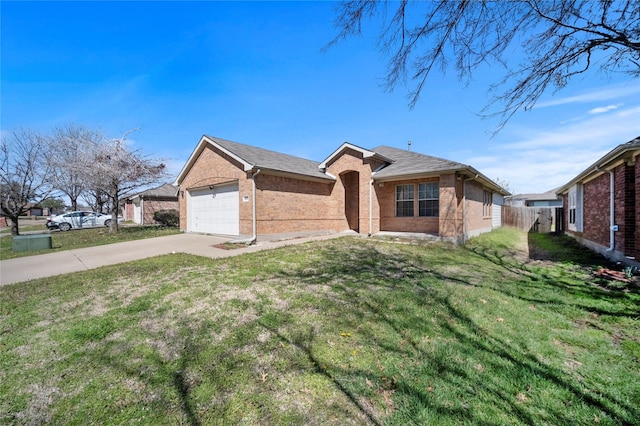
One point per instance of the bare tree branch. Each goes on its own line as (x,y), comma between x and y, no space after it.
(23,174)
(558,39)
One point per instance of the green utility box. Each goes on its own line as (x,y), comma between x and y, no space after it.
(31,242)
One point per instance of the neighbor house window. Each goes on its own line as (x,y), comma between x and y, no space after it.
(428,199)
(404,200)
(574,204)
(572,207)
(486,203)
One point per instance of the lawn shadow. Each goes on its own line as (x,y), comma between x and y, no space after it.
(558,271)
(364,275)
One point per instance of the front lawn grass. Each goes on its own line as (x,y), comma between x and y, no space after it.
(347,331)
(79,238)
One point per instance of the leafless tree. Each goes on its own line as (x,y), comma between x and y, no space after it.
(96,198)
(558,39)
(119,171)
(503,183)
(23,174)
(70,159)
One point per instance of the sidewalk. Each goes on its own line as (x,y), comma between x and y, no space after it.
(65,262)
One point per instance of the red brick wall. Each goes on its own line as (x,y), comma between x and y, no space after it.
(596,210)
(637,209)
(386,194)
(291,205)
(629,209)
(636,184)
(353,161)
(151,206)
(476,221)
(450,207)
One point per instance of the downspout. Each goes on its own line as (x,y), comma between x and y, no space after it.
(370,206)
(141,210)
(255,216)
(612,219)
(371,198)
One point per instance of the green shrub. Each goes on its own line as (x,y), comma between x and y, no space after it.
(167,217)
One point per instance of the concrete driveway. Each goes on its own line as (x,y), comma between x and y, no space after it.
(65,262)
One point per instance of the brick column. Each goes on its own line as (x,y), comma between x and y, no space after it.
(450,225)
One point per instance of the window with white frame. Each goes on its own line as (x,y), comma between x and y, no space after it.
(404,200)
(572,207)
(428,199)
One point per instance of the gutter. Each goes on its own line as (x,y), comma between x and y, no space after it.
(371,182)
(612,236)
(255,216)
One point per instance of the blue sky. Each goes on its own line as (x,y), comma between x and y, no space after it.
(256,73)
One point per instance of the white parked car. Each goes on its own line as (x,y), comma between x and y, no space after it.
(78,220)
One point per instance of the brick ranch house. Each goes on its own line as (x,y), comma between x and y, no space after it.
(602,204)
(235,189)
(140,208)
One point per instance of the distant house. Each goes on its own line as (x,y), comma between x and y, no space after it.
(242,190)
(602,204)
(141,207)
(34,210)
(545,199)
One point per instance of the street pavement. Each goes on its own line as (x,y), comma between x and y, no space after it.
(65,262)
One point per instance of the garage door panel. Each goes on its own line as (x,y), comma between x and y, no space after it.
(215,211)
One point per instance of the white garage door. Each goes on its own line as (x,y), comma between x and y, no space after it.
(215,211)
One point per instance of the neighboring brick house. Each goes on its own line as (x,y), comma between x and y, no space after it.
(613,180)
(236,189)
(141,207)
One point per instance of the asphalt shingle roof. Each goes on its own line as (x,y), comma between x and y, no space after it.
(410,163)
(166,190)
(264,158)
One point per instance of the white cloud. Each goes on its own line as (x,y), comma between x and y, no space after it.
(534,160)
(601,110)
(604,94)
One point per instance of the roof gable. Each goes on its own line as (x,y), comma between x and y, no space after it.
(254,158)
(365,154)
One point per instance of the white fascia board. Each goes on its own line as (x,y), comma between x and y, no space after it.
(246,165)
(196,153)
(365,153)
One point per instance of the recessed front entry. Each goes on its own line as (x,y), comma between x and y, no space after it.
(351,183)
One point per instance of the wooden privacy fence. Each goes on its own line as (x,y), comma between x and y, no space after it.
(533,219)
